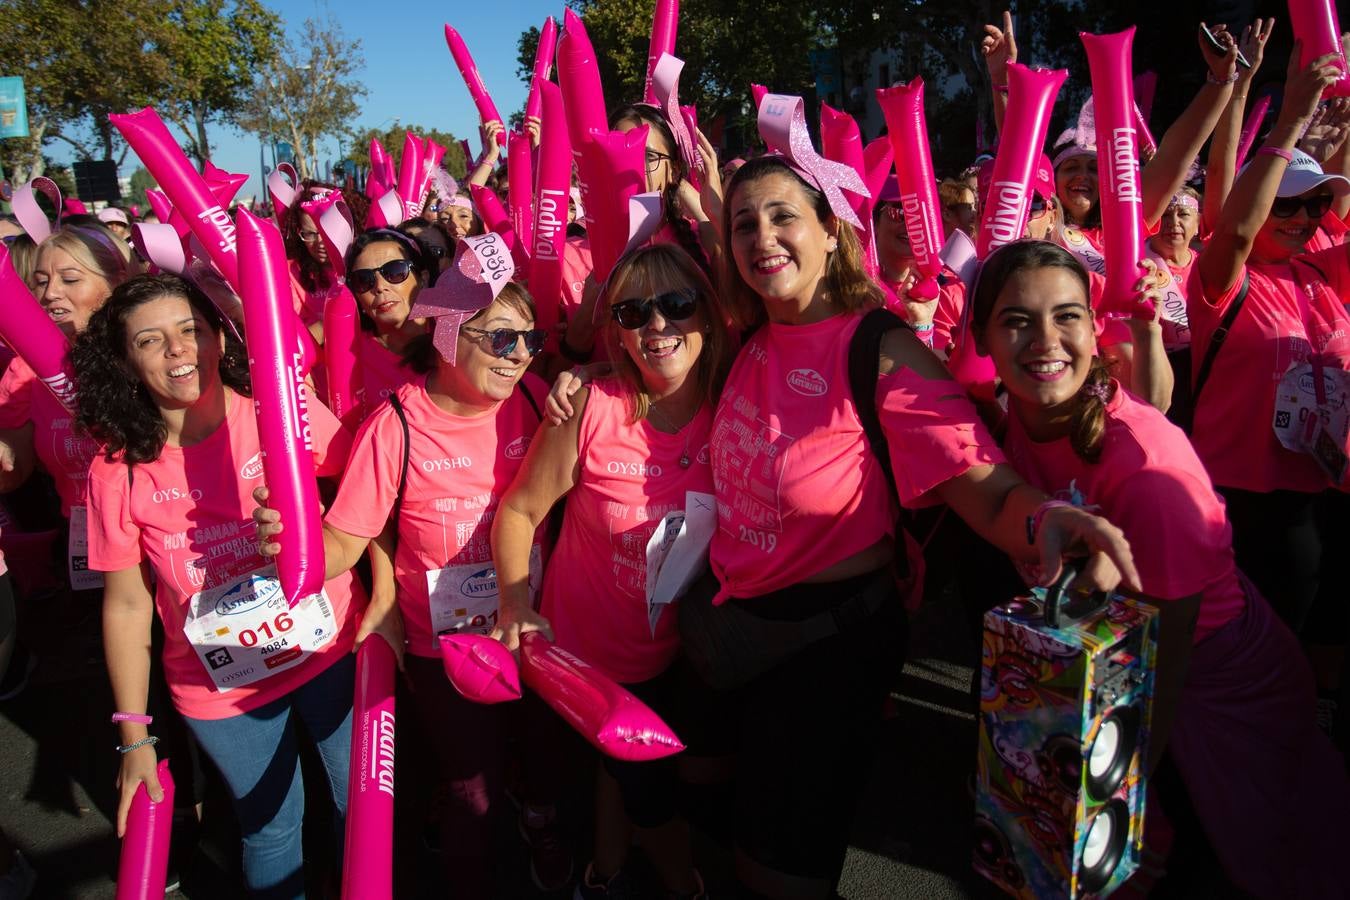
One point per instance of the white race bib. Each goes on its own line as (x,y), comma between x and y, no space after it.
(1312,415)
(464,598)
(244,632)
(77,553)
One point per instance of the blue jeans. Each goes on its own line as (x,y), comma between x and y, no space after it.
(258,755)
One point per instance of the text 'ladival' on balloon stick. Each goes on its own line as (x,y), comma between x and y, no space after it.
(907,126)
(487,110)
(553,183)
(143,865)
(280,400)
(368,855)
(614,721)
(1122,204)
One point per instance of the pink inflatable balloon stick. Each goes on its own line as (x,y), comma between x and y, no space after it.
(584,106)
(487,110)
(162,208)
(757,94)
(186,189)
(480,668)
(1317,25)
(495,218)
(621,157)
(280,399)
(1122,204)
(1031,97)
(907,126)
(381,179)
(340,333)
(878,160)
(368,857)
(520,191)
(665,28)
(143,865)
(1251,128)
(31,334)
(610,718)
(543,66)
(841,141)
(411,175)
(552,186)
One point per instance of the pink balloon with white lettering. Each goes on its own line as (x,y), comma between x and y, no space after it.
(584,106)
(520,193)
(665,28)
(543,65)
(186,189)
(30,333)
(622,158)
(480,668)
(614,721)
(553,182)
(1031,98)
(368,855)
(487,110)
(1317,25)
(1122,205)
(280,399)
(907,126)
(143,864)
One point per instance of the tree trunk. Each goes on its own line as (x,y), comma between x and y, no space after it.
(203,146)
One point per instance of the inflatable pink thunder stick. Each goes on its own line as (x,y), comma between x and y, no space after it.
(665,28)
(1122,203)
(1316,24)
(340,323)
(621,158)
(143,865)
(610,718)
(480,668)
(1031,97)
(279,397)
(841,141)
(487,110)
(520,193)
(33,335)
(552,186)
(902,107)
(368,855)
(543,65)
(584,104)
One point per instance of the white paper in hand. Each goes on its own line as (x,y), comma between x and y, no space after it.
(678,552)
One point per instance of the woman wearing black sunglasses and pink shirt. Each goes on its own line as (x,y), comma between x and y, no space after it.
(631,459)
(1289,509)
(386,267)
(466,418)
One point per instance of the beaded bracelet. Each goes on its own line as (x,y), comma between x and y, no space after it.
(148,740)
(1209,76)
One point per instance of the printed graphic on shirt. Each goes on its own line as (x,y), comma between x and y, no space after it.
(748,469)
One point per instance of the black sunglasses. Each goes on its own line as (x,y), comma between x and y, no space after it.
(675,306)
(396,271)
(503,340)
(1317,207)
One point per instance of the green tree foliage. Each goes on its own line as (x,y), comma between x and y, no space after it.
(393,138)
(140,180)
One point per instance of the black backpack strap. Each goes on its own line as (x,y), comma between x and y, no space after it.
(864,367)
(520,386)
(1216,341)
(407,449)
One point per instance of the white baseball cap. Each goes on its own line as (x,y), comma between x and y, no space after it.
(1303,174)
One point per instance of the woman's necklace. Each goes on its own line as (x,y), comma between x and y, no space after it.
(684,457)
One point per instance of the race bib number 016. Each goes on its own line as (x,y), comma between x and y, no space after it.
(244,631)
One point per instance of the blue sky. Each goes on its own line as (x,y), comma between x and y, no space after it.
(408,69)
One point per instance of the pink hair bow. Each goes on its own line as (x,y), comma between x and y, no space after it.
(482,267)
(666,87)
(782,125)
(29,214)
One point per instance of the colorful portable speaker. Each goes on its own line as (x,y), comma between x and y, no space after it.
(1065,704)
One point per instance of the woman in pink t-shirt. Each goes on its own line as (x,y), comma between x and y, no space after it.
(934,321)
(164,387)
(807,519)
(1235,709)
(468,426)
(1270,420)
(631,460)
(383,305)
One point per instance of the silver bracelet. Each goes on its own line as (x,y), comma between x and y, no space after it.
(149,740)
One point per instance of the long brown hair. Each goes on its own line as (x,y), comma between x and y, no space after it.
(846,282)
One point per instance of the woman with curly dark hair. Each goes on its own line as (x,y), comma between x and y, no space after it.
(164,386)
(310,284)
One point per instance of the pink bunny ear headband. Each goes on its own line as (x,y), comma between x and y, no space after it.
(782,125)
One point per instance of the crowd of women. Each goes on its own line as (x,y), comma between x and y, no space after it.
(718,370)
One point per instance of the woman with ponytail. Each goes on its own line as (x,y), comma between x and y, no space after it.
(1233,709)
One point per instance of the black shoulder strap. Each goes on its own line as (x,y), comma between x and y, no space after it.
(520,386)
(407,449)
(1220,335)
(864,365)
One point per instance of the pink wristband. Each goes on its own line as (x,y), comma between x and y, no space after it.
(1276,151)
(134,718)
(1034,520)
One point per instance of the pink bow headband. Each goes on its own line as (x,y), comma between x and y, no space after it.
(666,87)
(482,267)
(782,125)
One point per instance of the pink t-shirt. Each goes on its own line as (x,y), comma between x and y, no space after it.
(190,515)
(576,265)
(595,592)
(308,304)
(798,487)
(946,316)
(458,468)
(1279,325)
(1151,485)
(382,372)
(64,451)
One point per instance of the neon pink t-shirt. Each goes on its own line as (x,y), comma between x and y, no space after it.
(595,593)
(1278,326)
(382,372)
(1151,485)
(64,451)
(798,487)
(190,515)
(458,468)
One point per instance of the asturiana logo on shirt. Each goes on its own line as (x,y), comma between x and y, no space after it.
(247,595)
(807,382)
(482,583)
(253,468)
(516,449)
